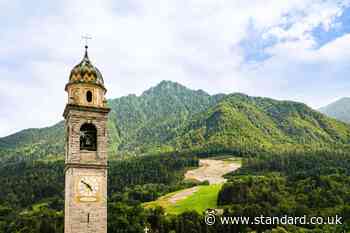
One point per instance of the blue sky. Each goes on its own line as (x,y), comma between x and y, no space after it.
(292,49)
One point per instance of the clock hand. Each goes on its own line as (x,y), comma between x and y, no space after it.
(87,185)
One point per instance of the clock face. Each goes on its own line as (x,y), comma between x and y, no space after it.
(88,188)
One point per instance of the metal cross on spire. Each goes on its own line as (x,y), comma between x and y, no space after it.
(86,38)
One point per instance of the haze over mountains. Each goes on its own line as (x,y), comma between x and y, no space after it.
(339,109)
(171,117)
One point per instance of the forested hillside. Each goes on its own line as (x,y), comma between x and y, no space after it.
(243,124)
(312,184)
(146,122)
(136,124)
(32,192)
(293,184)
(33,144)
(171,117)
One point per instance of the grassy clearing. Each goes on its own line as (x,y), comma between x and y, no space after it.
(205,197)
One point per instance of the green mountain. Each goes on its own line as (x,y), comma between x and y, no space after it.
(137,123)
(171,117)
(148,121)
(339,109)
(243,123)
(33,144)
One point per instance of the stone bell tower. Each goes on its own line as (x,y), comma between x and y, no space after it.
(86,117)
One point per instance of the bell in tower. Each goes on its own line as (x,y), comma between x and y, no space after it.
(88,137)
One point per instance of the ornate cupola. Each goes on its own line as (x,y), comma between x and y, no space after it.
(86,85)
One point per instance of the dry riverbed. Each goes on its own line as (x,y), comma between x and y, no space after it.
(212,170)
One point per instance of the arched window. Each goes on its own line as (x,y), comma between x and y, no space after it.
(89,96)
(88,137)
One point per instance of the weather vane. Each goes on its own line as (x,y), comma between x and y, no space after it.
(86,38)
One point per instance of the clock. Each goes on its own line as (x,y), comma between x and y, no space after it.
(88,188)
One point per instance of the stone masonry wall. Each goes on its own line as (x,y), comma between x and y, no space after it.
(85,216)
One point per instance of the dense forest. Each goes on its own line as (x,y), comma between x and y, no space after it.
(315,184)
(310,183)
(31,194)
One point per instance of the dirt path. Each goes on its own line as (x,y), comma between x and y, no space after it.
(211,170)
(182,195)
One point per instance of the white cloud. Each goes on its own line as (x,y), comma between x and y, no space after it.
(136,44)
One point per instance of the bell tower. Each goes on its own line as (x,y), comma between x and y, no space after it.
(86,116)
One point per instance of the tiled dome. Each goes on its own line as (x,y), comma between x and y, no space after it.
(85,72)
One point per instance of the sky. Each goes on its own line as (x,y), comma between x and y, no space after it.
(285,49)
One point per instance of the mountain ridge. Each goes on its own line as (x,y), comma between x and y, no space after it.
(241,121)
(171,117)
